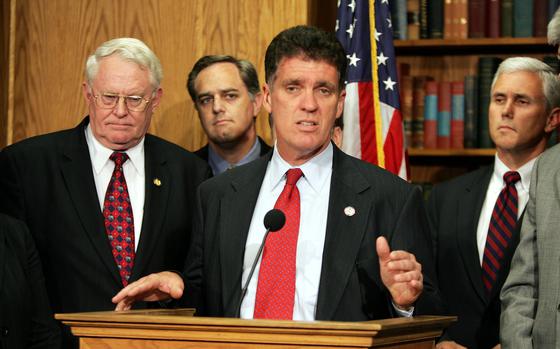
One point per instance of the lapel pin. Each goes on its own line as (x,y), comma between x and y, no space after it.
(157,182)
(349,211)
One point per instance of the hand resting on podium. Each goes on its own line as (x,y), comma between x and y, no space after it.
(154,287)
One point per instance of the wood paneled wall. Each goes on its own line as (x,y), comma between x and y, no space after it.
(5,9)
(54,37)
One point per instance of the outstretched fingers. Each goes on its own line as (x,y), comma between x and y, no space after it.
(154,287)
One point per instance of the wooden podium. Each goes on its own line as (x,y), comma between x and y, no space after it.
(174,329)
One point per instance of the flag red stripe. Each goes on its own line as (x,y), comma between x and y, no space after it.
(367,122)
(393,146)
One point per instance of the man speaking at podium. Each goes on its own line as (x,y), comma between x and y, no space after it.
(331,260)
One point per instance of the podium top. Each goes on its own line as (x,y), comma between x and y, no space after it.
(185,317)
(180,325)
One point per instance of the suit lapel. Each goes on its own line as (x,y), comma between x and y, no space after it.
(344,233)
(469,207)
(157,187)
(236,208)
(3,253)
(76,170)
(546,212)
(554,208)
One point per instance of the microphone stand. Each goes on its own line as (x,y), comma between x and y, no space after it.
(246,286)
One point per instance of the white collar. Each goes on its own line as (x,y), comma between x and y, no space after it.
(524,171)
(316,170)
(100,154)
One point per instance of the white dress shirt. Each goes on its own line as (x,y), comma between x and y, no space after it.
(314,189)
(134,173)
(494,188)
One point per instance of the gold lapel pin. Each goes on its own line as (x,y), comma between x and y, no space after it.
(157,182)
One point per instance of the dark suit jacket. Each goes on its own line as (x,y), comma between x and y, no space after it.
(454,209)
(47,181)
(350,285)
(26,320)
(203,152)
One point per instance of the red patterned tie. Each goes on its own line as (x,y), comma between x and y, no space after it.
(277,276)
(502,226)
(119,223)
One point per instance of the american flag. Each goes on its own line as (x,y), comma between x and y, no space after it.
(373,128)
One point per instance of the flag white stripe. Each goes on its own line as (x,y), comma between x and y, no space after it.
(351,140)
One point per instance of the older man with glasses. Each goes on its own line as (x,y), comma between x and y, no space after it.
(106,202)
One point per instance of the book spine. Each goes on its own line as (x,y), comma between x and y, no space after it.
(403,69)
(430,115)
(540,7)
(424,23)
(413,19)
(448,19)
(552,8)
(506,20)
(477,18)
(435,18)
(462,12)
(487,67)
(493,19)
(457,114)
(444,115)
(471,111)
(406,108)
(398,19)
(523,18)
(418,96)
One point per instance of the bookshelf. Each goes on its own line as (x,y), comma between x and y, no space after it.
(495,45)
(451,152)
(452,60)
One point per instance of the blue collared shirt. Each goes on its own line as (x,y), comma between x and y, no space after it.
(219,165)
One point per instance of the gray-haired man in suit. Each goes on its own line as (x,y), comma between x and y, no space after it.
(93,233)
(530,315)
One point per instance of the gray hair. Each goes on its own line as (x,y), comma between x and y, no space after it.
(247,72)
(129,49)
(553,30)
(549,79)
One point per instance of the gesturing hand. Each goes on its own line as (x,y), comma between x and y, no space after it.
(400,273)
(154,287)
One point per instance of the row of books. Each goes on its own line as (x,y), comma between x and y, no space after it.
(449,115)
(461,19)
(433,112)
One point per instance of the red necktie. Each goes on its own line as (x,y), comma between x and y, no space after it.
(502,226)
(119,223)
(277,276)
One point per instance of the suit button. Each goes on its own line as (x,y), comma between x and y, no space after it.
(5,332)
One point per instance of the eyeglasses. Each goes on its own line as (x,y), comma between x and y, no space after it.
(111,100)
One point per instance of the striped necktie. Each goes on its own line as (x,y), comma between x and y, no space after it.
(502,226)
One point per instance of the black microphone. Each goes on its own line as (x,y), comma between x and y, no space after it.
(274,220)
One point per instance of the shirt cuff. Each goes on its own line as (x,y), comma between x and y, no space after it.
(403,312)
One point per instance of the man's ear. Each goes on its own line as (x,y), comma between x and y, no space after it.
(257,103)
(87,93)
(553,120)
(340,103)
(267,103)
(157,97)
